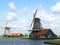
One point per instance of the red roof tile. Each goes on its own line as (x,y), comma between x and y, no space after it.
(14,34)
(40,33)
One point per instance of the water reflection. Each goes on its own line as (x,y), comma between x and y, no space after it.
(18,41)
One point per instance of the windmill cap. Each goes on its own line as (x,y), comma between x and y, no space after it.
(36,19)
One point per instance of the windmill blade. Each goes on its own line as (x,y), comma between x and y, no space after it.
(35,14)
(33,17)
(31,23)
(6,23)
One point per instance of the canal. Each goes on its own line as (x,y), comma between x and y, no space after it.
(18,41)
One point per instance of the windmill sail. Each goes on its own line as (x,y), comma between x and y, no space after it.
(35,14)
(33,17)
(6,23)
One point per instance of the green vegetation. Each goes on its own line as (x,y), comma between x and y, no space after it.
(25,36)
(54,41)
(5,36)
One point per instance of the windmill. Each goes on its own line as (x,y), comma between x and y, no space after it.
(36,26)
(7,29)
(36,23)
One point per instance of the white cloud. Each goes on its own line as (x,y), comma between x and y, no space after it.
(24,24)
(56,8)
(56,11)
(19,26)
(23,11)
(12,5)
(11,16)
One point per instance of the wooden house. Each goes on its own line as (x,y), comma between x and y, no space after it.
(45,33)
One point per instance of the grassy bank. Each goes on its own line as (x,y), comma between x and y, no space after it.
(57,41)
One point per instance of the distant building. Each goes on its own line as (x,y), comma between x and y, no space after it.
(15,35)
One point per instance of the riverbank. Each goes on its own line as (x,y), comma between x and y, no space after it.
(57,42)
(32,38)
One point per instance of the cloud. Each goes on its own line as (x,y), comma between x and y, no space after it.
(56,11)
(19,26)
(23,11)
(12,6)
(56,8)
(11,16)
(24,25)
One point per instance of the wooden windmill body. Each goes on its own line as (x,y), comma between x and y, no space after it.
(7,30)
(36,26)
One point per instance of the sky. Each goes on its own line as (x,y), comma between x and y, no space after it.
(19,14)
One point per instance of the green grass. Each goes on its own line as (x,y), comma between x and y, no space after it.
(54,41)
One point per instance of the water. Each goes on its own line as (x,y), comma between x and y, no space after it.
(18,41)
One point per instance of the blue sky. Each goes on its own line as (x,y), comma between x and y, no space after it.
(19,14)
